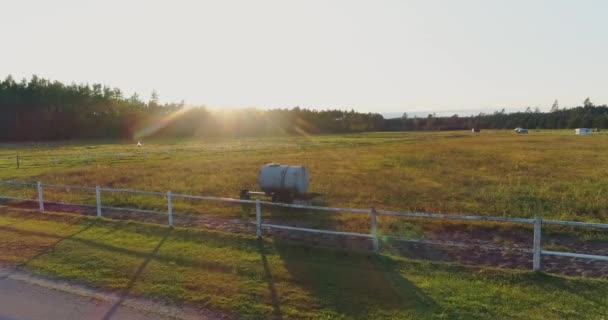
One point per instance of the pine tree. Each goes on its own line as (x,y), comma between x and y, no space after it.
(555,106)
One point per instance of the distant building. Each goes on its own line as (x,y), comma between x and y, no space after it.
(583,131)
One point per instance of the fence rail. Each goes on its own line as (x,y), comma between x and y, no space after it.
(537,222)
(46,159)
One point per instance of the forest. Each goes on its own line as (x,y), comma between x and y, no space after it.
(40,110)
(586,116)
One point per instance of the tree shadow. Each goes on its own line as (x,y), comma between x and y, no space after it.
(124,292)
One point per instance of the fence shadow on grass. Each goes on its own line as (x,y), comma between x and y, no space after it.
(276,304)
(352,284)
(355,284)
(164,258)
(46,249)
(16,222)
(560,284)
(125,292)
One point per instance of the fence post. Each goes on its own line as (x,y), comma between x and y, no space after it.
(40,198)
(170,208)
(537,248)
(98,196)
(258,217)
(17,161)
(375,243)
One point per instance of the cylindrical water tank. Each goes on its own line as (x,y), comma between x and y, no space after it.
(276,178)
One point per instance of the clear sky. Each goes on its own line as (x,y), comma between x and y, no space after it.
(384,56)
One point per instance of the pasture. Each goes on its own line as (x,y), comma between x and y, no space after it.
(555,174)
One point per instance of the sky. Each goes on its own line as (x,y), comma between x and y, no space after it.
(373,56)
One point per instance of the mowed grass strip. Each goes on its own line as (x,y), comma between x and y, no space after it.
(244,277)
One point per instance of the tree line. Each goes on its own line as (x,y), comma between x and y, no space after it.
(39,109)
(588,115)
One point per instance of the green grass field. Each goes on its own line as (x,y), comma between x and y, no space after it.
(242,276)
(553,173)
(556,174)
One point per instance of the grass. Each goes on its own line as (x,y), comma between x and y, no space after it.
(497,173)
(553,173)
(239,275)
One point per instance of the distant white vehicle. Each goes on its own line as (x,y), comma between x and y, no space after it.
(520,130)
(583,131)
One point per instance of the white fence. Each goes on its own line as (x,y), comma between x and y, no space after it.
(537,222)
(86,157)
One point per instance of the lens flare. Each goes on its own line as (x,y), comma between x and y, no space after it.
(160,124)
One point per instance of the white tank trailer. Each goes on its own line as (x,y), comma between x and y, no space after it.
(283,183)
(276,178)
